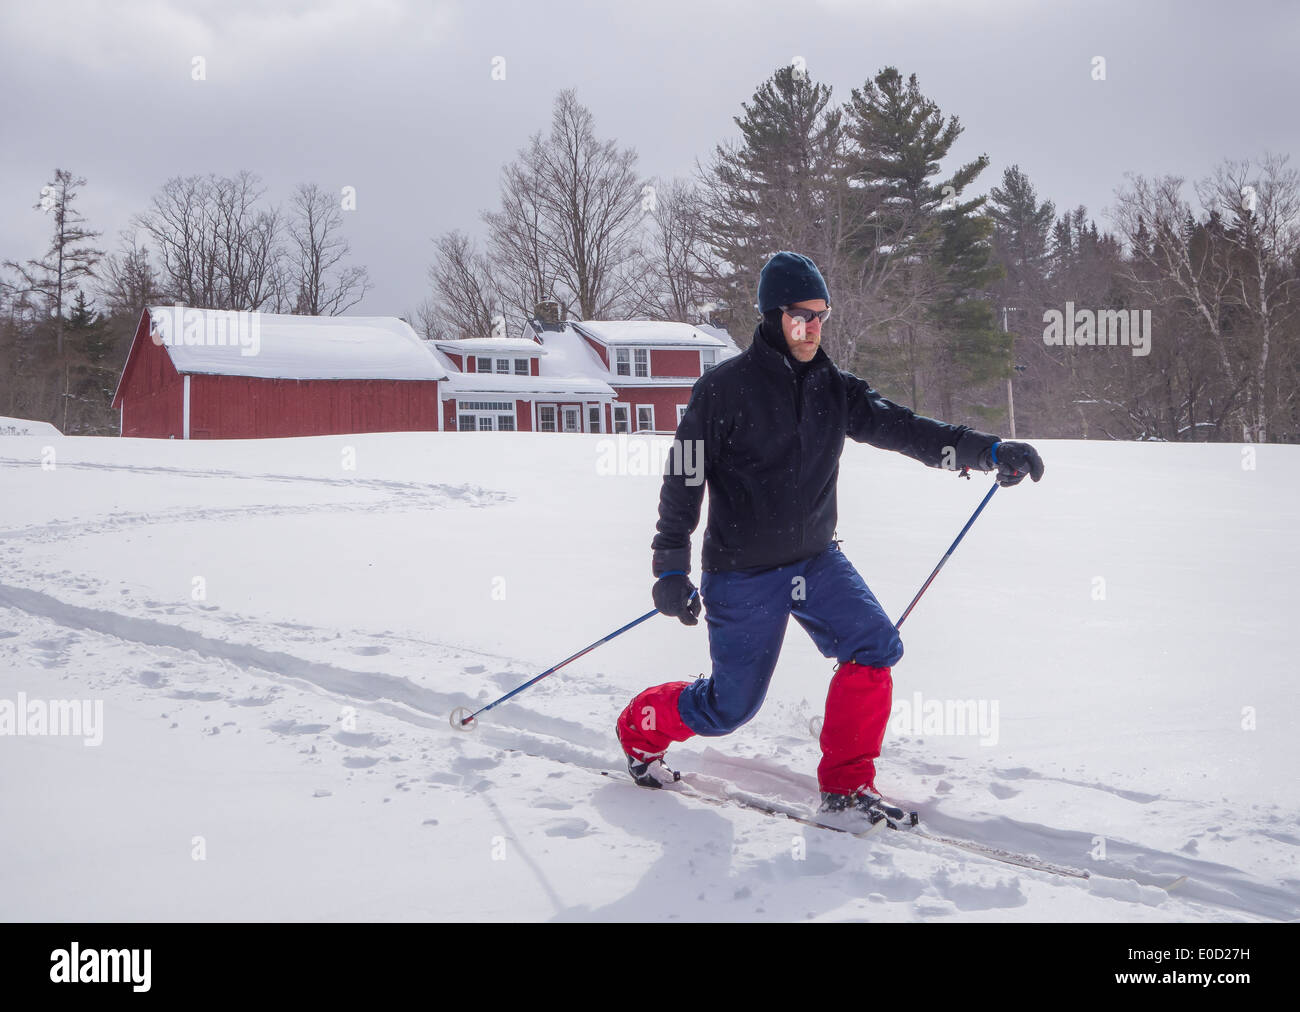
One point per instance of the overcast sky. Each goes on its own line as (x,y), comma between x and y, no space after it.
(397,99)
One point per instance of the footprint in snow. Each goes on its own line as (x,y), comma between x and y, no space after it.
(368,651)
(569,828)
(355,739)
(292,727)
(257,700)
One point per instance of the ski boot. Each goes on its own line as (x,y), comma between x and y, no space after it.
(864,809)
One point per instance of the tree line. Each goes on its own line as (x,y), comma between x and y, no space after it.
(1176,322)
(942,296)
(67,316)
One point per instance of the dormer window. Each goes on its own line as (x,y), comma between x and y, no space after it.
(642,359)
(622,362)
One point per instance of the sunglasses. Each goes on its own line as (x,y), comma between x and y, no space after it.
(805,315)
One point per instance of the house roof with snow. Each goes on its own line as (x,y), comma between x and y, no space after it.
(655,332)
(467,384)
(272,346)
(569,355)
(730,347)
(492,346)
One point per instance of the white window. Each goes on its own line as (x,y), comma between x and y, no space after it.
(622,362)
(485,416)
(645,417)
(681,410)
(593,417)
(620,418)
(642,362)
(708,359)
(572,418)
(503,365)
(484,364)
(521,367)
(546,418)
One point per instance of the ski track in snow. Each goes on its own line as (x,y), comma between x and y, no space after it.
(522,729)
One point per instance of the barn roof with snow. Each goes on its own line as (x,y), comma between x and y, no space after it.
(272,346)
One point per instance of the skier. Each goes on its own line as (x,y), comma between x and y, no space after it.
(769,426)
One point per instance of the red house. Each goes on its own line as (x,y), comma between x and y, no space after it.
(648,366)
(213,374)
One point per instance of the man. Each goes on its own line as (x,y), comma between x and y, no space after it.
(769,426)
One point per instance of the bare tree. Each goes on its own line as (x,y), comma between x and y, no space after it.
(673,262)
(522,267)
(55,276)
(127,279)
(219,249)
(570,210)
(323,283)
(1263,204)
(1231,263)
(466,301)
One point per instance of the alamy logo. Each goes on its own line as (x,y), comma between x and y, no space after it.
(212,328)
(75,965)
(74,718)
(625,456)
(1078,328)
(919,716)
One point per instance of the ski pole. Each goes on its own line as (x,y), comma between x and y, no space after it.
(462,719)
(947,555)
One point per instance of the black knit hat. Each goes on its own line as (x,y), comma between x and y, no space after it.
(789,278)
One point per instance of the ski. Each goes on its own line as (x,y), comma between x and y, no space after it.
(727,794)
(767,808)
(1027,861)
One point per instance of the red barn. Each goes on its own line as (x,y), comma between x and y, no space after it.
(212,374)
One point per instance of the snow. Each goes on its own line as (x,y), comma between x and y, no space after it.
(730,347)
(26,427)
(568,354)
(278,629)
(488,345)
(654,332)
(271,346)
(465,384)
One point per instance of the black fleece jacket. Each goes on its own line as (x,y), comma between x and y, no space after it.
(769,431)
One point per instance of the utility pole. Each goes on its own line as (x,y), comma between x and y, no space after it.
(1011,400)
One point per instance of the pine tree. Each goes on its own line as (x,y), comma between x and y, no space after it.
(932,247)
(778,187)
(1021,227)
(55,276)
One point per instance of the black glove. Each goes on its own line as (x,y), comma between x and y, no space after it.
(1014,461)
(676,597)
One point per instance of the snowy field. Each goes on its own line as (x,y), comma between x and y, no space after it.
(273,642)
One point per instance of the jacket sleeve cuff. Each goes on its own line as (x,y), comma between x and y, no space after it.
(667,560)
(975,450)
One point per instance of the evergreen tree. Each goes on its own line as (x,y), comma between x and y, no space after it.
(779,187)
(1022,227)
(56,276)
(933,247)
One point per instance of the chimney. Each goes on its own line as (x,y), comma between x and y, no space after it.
(548,313)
